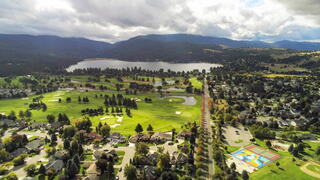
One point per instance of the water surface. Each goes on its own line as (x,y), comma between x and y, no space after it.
(118,64)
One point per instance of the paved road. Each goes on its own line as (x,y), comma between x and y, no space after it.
(207,119)
(33,160)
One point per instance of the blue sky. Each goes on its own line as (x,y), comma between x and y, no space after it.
(114,20)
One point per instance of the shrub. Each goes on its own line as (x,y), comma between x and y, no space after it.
(3,170)
(19,160)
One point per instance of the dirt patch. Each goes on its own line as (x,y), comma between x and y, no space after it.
(236,136)
(309,172)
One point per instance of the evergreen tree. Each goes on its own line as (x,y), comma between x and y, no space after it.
(138,128)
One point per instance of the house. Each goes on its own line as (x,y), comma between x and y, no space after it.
(55,165)
(140,138)
(18,152)
(308,136)
(62,154)
(37,125)
(283,123)
(116,138)
(150,172)
(179,158)
(97,154)
(184,134)
(92,136)
(56,125)
(153,158)
(35,145)
(161,137)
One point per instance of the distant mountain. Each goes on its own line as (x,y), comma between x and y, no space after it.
(149,49)
(26,53)
(198,39)
(52,46)
(301,46)
(20,54)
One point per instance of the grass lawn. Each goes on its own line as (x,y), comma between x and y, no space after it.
(287,169)
(196,83)
(232,149)
(88,157)
(314,168)
(120,157)
(161,113)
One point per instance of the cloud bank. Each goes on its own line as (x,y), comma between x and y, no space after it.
(114,20)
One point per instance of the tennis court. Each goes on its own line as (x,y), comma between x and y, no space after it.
(255,156)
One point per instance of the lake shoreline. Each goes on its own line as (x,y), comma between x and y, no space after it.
(104,63)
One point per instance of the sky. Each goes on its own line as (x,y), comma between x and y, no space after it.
(115,20)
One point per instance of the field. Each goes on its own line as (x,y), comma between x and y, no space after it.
(196,83)
(288,168)
(284,67)
(163,113)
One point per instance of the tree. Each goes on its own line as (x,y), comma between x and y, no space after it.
(84,124)
(139,128)
(164,162)
(168,175)
(318,150)
(42,170)
(149,128)
(295,152)
(3,155)
(245,175)
(268,143)
(300,147)
(66,144)
(30,169)
(277,164)
(68,99)
(290,148)
(233,166)
(53,138)
(28,113)
(17,161)
(72,168)
(142,148)
(21,114)
(51,118)
(130,172)
(69,131)
(12,176)
(105,131)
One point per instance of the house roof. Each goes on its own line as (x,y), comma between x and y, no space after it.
(57,165)
(18,152)
(35,144)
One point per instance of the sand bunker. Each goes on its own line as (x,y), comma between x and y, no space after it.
(178,112)
(136,99)
(114,125)
(105,117)
(119,119)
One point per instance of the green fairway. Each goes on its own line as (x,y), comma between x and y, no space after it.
(196,83)
(163,113)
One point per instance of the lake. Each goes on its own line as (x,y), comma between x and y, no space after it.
(118,64)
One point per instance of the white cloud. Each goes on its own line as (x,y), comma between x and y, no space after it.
(115,20)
